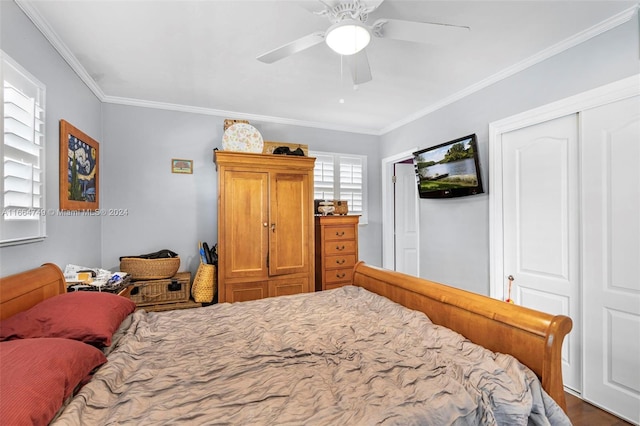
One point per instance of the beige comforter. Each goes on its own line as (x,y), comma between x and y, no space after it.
(339,357)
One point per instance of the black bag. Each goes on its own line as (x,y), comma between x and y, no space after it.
(160,254)
(284,150)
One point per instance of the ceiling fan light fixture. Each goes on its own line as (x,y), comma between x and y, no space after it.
(347,37)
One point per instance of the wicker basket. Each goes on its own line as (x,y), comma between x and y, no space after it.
(205,283)
(169,290)
(150,269)
(341,207)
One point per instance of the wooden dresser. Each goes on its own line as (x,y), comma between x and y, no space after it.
(336,250)
(265,225)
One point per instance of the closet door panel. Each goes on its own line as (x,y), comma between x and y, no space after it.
(541,225)
(611,247)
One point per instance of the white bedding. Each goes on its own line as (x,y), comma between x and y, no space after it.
(339,357)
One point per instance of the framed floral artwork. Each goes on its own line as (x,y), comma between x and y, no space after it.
(79,169)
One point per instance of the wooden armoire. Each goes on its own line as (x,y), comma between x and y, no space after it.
(265,225)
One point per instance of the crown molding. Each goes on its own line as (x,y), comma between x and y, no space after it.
(236,115)
(566,44)
(53,38)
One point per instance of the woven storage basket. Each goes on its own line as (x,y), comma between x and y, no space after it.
(150,269)
(169,290)
(341,207)
(205,283)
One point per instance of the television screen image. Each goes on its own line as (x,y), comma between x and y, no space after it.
(449,170)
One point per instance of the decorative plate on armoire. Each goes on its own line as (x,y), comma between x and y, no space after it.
(242,137)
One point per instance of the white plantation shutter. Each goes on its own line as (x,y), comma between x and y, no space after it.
(341,177)
(351,183)
(323,177)
(22,150)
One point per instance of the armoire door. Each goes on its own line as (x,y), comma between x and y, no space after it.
(245,223)
(290,235)
(541,225)
(611,260)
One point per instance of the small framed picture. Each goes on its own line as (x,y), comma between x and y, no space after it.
(179,165)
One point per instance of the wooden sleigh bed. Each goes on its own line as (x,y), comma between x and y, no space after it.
(533,338)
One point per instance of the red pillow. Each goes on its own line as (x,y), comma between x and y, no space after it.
(39,374)
(91,317)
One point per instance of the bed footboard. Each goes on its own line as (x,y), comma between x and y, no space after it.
(533,337)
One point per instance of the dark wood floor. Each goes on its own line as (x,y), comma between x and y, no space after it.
(584,414)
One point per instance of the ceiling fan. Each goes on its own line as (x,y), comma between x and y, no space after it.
(349,35)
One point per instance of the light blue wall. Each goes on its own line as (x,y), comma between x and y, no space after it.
(454,233)
(69,239)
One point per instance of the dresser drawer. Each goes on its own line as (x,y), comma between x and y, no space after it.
(340,261)
(338,275)
(339,247)
(332,233)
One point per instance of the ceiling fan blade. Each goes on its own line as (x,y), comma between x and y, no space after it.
(420,32)
(291,48)
(359,67)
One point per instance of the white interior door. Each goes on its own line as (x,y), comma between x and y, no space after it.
(541,225)
(388,206)
(611,262)
(406,219)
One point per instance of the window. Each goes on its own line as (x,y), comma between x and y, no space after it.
(22,150)
(341,177)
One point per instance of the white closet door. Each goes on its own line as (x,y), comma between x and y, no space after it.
(611,262)
(540,225)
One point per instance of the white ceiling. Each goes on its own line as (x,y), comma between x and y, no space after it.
(201,55)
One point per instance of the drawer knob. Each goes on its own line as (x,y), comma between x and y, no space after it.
(340,234)
(340,261)
(339,248)
(342,275)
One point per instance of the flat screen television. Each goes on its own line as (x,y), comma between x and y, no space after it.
(449,170)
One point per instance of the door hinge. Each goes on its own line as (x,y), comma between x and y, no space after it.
(393,179)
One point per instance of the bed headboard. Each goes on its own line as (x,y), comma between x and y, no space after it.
(533,337)
(23,290)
